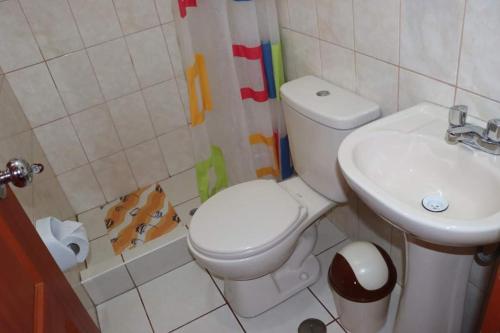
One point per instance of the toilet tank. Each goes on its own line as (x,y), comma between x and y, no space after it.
(318,116)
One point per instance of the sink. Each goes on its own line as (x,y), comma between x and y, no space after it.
(396,162)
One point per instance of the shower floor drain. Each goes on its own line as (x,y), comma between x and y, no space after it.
(435,203)
(312,325)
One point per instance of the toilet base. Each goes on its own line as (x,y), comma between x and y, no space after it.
(250,298)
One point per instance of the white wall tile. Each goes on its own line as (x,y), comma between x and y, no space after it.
(61,145)
(164,8)
(415,88)
(18,48)
(150,56)
(335,20)
(136,15)
(53,26)
(430,37)
(76,81)
(81,189)
(37,94)
(93,220)
(302,15)
(377,28)
(177,147)
(114,175)
(283,14)
(480,63)
(96,20)
(377,81)
(165,106)
(131,119)
(302,54)
(479,107)
(147,163)
(114,68)
(181,187)
(50,200)
(124,314)
(338,65)
(96,132)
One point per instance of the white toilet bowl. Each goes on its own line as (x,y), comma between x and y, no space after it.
(257,235)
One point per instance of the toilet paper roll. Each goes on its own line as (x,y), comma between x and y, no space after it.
(67,241)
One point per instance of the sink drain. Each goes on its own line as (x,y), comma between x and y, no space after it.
(435,203)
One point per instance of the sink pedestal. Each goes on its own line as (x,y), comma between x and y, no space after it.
(434,291)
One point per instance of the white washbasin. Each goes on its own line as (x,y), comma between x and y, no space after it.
(393,163)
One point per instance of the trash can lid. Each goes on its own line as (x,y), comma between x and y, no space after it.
(362,272)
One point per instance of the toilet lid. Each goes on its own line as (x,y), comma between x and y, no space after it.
(245,219)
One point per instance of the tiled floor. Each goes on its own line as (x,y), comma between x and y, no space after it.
(189,300)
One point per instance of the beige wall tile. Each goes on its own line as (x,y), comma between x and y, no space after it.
(479,107)
(302,54)
(165,106)
(37,94)
(283,13)
(377,81)
(76,81)
(177,147)
(114,175)
(430,37)
(136,15)
(94,220)
(150,56)
(114,68)
(96,20)
(164,8)
(182,187)
(338,65)
(146,161)
(416,88)
(13,120)
(131,119)
(377,28)
(61,145)
(18,48)
(480,63)
(50,200)
(302,16)
(96,132)
(53,26)
(335,21)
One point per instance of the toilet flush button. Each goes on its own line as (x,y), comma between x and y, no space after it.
(304,276)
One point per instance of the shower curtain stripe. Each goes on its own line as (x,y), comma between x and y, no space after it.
(233,83)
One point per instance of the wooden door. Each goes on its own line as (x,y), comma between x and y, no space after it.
(34,294)
(491,320)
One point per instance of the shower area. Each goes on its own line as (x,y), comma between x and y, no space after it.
(115,99)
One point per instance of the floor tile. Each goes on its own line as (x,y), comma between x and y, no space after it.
(287,316)
(221,320)
(93,220)
(123,314)
(334,328)
(178,297)
(322,288)
(101,250)
(328,235)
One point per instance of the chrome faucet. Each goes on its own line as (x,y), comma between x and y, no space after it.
(485,139)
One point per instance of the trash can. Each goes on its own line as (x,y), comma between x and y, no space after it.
(362,277)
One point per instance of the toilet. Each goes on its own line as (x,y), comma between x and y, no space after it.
(259,236)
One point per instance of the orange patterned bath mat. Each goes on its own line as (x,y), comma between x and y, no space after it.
(140,217)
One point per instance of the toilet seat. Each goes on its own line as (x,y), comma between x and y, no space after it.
(245,220)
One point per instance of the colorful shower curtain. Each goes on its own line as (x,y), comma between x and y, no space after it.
(232,58)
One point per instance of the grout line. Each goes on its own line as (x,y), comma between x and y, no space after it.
(460,48)
(199,317)
(400,25)
(334,245)
(321,303)
(144,307)
(225,299)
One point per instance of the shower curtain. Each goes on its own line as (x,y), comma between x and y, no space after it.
(231,54)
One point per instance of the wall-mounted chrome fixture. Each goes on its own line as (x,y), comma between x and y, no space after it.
(19,173)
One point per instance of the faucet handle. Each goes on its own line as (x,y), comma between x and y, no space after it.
(493,130)
(457,115)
